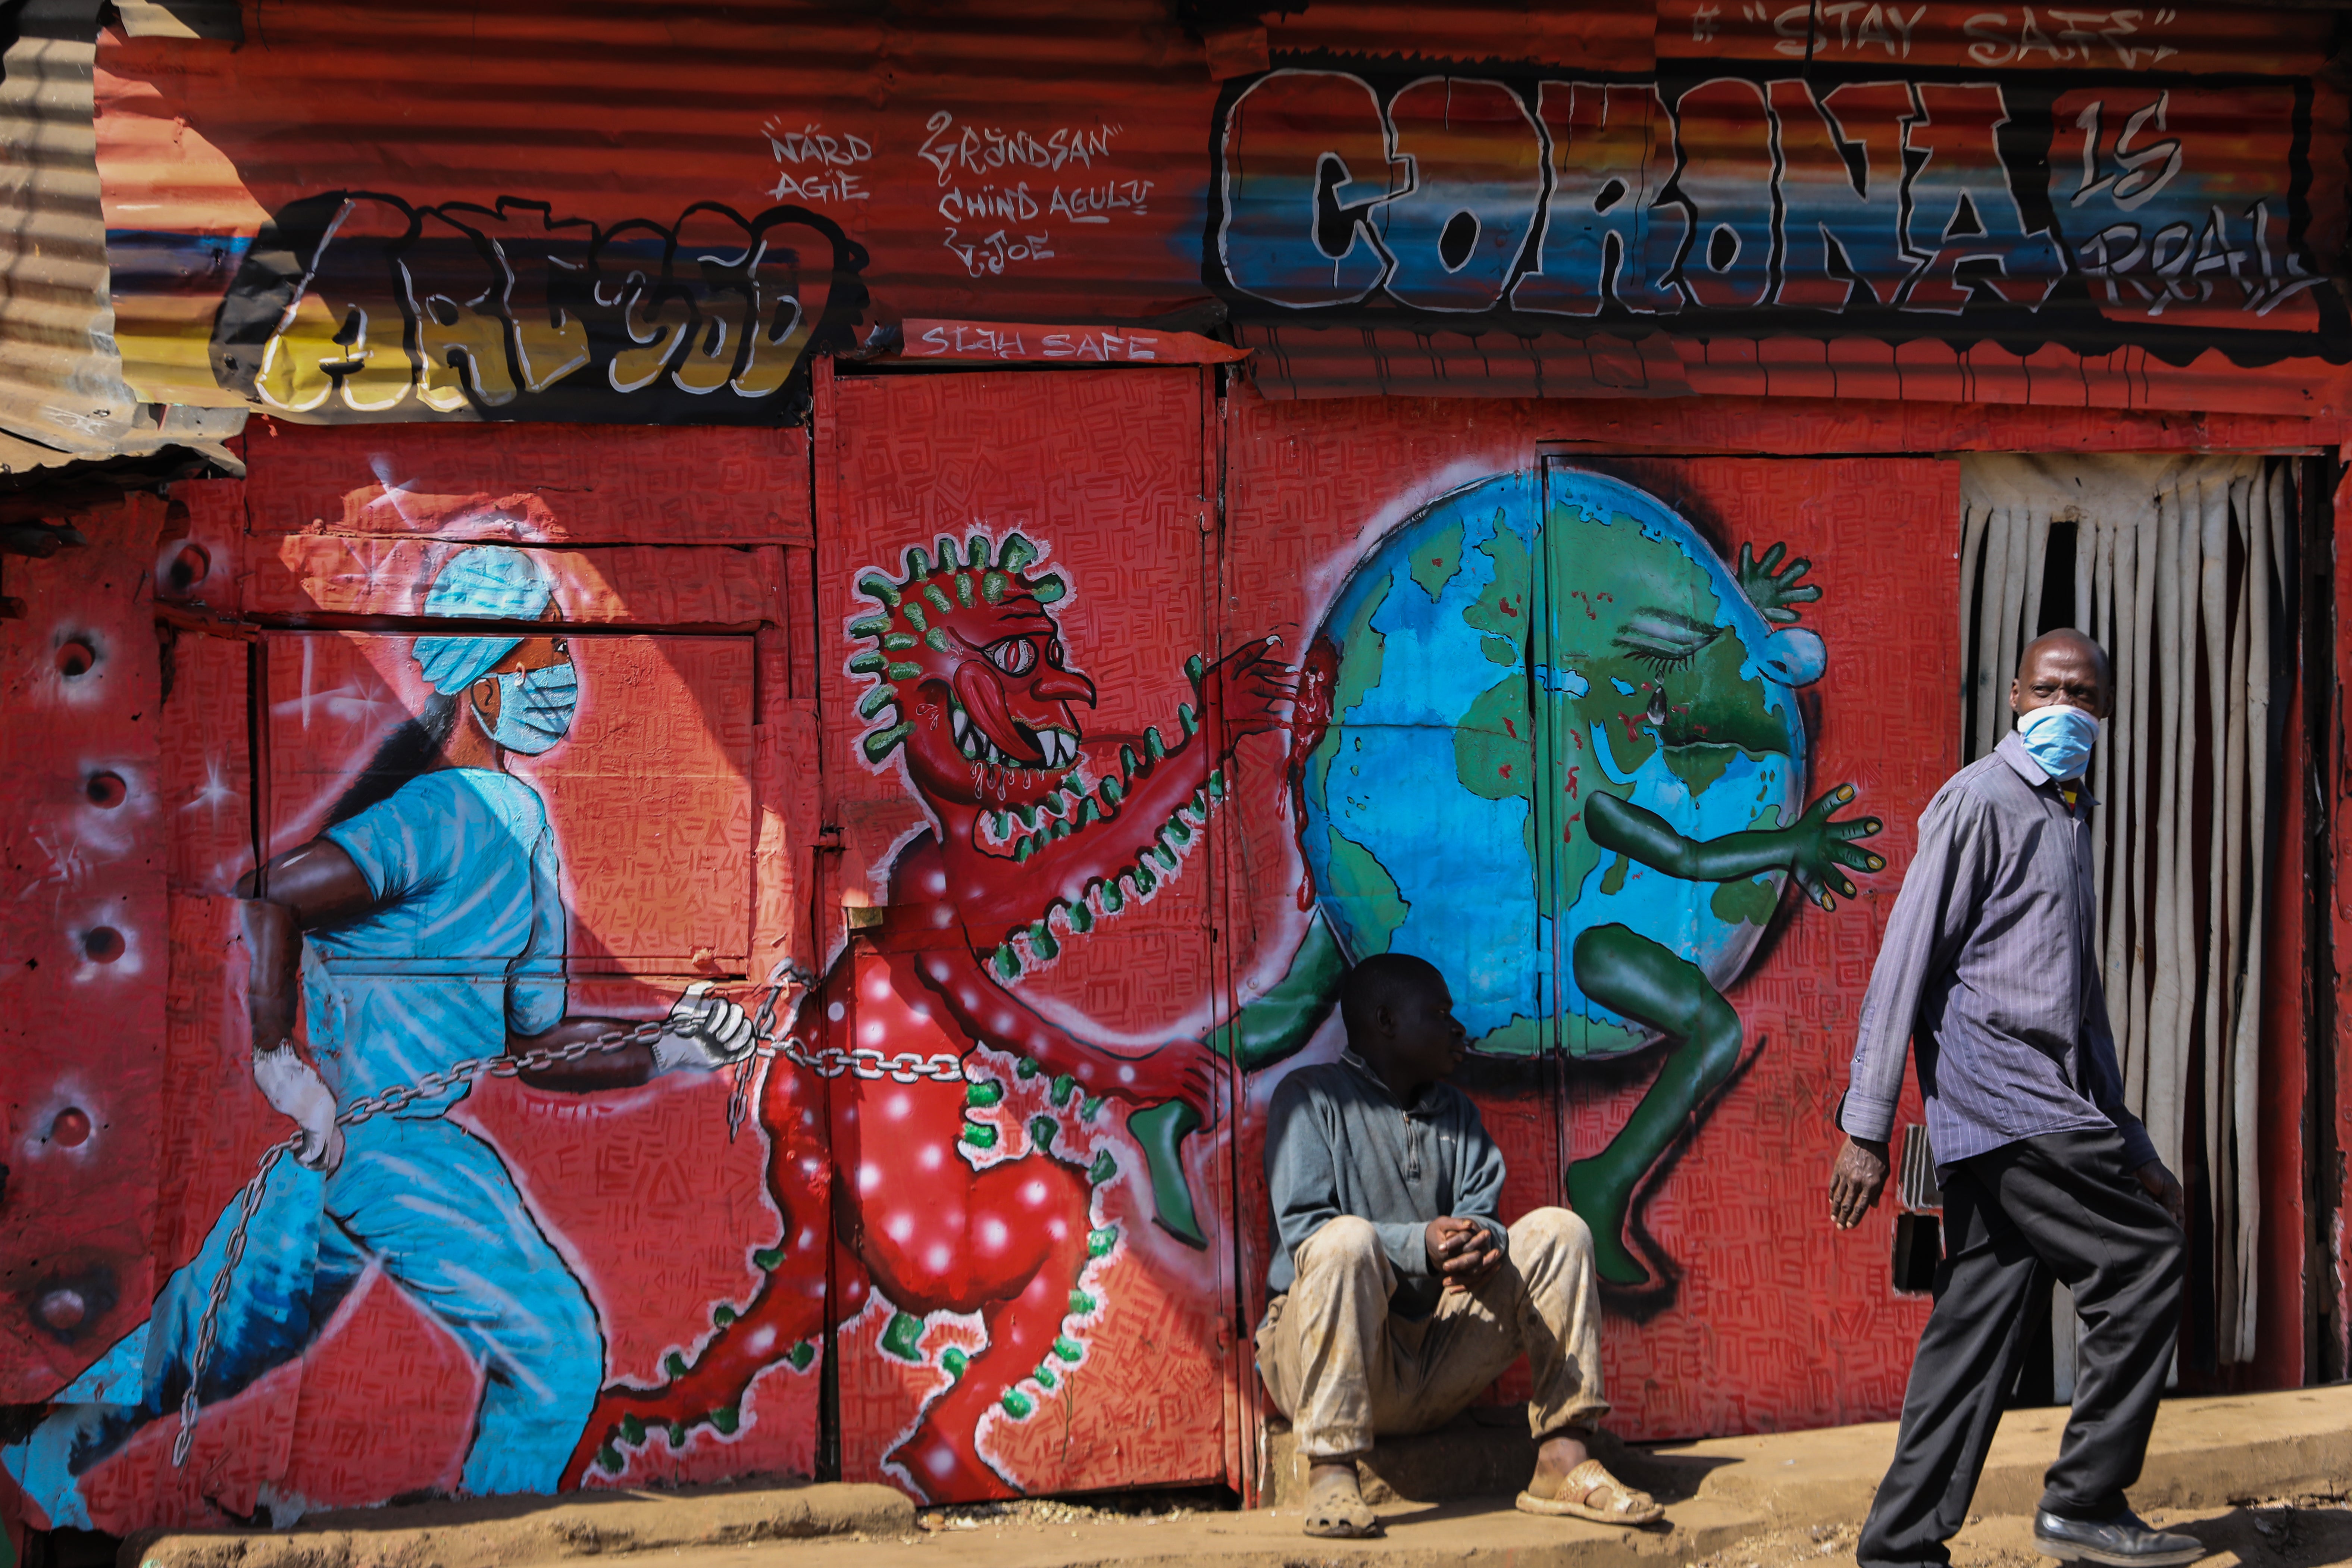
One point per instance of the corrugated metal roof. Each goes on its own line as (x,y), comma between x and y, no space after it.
(633,212)
(62,395)
(1015,161)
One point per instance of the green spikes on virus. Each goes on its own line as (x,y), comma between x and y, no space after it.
(948,579)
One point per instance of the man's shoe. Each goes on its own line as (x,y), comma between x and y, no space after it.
(2123,1542)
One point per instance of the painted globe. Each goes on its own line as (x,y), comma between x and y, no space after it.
(1507,652)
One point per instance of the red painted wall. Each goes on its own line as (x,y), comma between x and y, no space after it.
(1012,1301)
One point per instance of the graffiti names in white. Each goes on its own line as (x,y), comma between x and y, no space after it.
(956,151)
(983,149)
(989,257)
(815,164)
(974,340)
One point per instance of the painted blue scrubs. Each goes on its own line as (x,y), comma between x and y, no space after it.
(465,942)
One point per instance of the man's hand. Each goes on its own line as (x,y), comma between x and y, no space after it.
(2165,1189)
(1855,1182)
(1461,1252)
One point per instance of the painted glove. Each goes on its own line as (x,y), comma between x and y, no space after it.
(703,1032)
(293,1086)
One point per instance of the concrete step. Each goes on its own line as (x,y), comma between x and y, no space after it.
(501,1533)
(2204,1451)
(1720,1493)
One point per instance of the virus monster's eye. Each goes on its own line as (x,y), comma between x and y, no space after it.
(1054,653)
(1013,655)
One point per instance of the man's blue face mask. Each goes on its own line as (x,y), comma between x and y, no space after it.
(2058,737)
(535,708)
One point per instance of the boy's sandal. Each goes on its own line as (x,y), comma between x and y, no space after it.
(1335,1507)
(1590,1491)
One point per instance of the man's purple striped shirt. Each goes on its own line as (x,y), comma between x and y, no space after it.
(1990,973)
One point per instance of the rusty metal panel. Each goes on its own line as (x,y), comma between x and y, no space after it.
(1758,207)
(56,389)
(1496,201)
(1614,36)
(86,947)
(619,486)
(560,245)
(62,395)
(1027,826)
(638,791)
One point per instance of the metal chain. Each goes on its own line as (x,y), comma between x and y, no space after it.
(764,1022)
(209,1326)
(906,1066)
(384,1102)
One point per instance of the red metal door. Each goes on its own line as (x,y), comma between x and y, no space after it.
(1033,1285)
(1730,1307)
(507,1284)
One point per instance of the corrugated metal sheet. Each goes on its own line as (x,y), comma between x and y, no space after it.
(1609,35)
(593,183)
(2205,39)
(62,396)
(661,213)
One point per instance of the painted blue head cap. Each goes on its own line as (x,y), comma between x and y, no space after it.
(487,583)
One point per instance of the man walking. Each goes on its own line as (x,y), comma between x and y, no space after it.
(1397,1293)
(1989,971)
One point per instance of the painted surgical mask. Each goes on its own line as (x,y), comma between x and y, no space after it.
(535,708)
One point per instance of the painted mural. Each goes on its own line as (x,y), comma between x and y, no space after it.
(971,1132)
(721,1042)
(1565,762)
(1695,199)
(417,943)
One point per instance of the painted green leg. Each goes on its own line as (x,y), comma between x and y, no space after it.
(1630,975)
(1160,1130)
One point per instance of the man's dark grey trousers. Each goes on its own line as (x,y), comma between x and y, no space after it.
(2060,1205)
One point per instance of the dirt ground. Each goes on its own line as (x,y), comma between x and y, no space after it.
(2307,1530)
(2310,1529)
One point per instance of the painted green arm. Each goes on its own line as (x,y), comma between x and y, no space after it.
(1815,850)
(1275,1024)
(1263,1032)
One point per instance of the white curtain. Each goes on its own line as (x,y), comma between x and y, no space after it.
(2178,567)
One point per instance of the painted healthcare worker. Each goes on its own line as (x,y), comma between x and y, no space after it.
(423,927)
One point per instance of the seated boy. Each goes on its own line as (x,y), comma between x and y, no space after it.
(1398,1294)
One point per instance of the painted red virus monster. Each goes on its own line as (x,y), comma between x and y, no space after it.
(944,1204)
